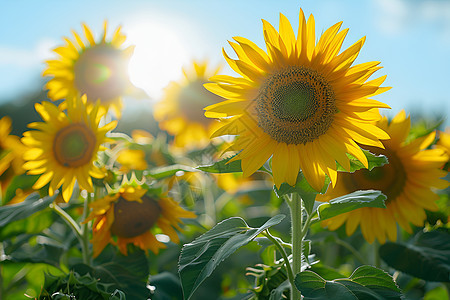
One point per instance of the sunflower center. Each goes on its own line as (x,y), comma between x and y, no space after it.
(101,73)
(132,218)
(193,98)
(74,145)
(296,105)
(389,179)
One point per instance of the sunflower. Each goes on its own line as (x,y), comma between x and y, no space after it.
(301,102)
(181,110)
(407,181)
(444,143)
(97,69)
(64,147)
(132,215)
(11,152)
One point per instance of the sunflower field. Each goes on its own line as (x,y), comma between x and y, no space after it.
(276,173)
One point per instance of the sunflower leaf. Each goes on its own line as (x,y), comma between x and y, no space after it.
(167,171)
(22,182)
(372,159)
(366,282)
(199,258)
(430,252)
(22,210)
(346,203)
(222,166)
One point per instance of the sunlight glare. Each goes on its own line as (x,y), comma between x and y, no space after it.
(158,57)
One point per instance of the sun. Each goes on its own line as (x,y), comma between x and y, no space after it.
(158,57)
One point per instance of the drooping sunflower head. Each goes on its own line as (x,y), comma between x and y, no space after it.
(134,215)
(64,147)
(98,69)
(408,182)
(301,102)
(181,110)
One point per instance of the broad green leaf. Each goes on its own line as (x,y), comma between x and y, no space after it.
(166,286)
(199,258)
(427,257)
(277,294)
(372,159)
(163,172)
(366,282)
(355,200)
(222,166)
(19,211)
(40,221)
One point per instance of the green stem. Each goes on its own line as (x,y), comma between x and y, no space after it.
(280,248)
(295,204)
(68,219)
(85,232)
(350,248)
(376,254)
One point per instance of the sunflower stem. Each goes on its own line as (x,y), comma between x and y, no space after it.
(68,219)
(85,232)
(296,208)
(276,242)
(376,254)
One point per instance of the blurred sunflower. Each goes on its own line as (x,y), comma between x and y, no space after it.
(97,69)
(11,161)
(181,110)
(302,102)
(64,147)
(132,215)
(407,181)
(444,143)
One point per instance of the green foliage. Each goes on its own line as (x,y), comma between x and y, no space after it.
(77,287)
(199,258)
(223,166)
(366,282)
(168,171)
(430,252)
(346,203)
(23,182)
(372,159)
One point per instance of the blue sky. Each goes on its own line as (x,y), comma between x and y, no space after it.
(411,38)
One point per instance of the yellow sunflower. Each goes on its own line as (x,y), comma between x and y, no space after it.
(11,161)
(301,102)
(444,142)
(407,181)
(97,69)
(181,110)
(132,215)
(64,147)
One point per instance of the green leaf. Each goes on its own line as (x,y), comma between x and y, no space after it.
(199,258)
(222,166)
(19,211)
(355,200)
(164,172)
(166,286)
(372,159)
(40,221)
(428,257)
(23,182)
(366,282)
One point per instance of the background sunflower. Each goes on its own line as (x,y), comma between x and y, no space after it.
(408,181)
(131,216)
(97,69)
(180,112)
(63,148)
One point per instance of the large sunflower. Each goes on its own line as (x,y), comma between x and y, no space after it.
(132,215)
(302,102)
(407,181)
(97,69)
(64,147)
(181,110)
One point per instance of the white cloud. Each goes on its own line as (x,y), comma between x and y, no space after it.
(27,58)
(398,16)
